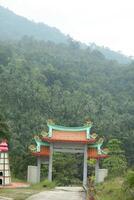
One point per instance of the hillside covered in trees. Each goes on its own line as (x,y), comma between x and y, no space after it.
(42,80)
(110,54)
(14,27)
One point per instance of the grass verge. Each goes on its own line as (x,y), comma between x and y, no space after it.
(111,190)
(24,193)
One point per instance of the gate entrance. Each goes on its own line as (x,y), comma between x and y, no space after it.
(71,140)
(67,169)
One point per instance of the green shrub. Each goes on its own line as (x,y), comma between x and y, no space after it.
(44,184)
(116,162)
(128,185)
(130,179)
(48,184)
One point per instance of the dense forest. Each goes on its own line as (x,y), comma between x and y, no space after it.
(42,80)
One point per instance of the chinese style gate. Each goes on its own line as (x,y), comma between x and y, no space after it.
(68,140)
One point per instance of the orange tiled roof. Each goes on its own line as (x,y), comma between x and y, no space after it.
(69,136)
(93,153)
(45,151)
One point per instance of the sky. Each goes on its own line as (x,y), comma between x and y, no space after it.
(108,23)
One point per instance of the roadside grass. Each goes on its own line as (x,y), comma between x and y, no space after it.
(44,184)
(111,190)
(24,193)
(18,193)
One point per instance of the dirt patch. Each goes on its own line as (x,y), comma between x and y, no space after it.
(15,185)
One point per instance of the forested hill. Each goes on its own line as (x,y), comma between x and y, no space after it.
(110,54)
(40,80)
(14,27)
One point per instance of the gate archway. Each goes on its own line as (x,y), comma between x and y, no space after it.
(67,140)
(67,169)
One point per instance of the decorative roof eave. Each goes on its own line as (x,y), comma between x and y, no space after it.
(3,146)
(64,128)
(73,129)
(52,140)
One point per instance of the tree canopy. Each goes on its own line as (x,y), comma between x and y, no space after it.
(116,162)
(42,80)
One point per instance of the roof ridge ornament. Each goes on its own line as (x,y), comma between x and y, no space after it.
(88,123)
(50,122)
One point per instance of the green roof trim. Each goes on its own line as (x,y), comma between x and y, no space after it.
(98,146)
(40,143)
(64,128)
(73,129)
(93,145)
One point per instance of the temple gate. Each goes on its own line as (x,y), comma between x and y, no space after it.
(67,140)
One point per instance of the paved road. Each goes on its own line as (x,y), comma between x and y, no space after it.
(5,198)
(60,193)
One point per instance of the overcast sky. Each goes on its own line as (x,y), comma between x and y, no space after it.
(106,22)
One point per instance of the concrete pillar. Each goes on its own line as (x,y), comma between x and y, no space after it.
(85,166)
(97,171)
(32,174)
(38,168)
(50,163)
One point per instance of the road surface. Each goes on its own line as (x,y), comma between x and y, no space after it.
(60,193)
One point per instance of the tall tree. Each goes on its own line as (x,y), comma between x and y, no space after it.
(116,162)
(4,129)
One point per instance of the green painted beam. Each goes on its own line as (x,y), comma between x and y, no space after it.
(50,132)
(40,143)
(98,146)
(75,129)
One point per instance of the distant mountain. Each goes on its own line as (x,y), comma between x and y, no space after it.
(110,54)
(15,27)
